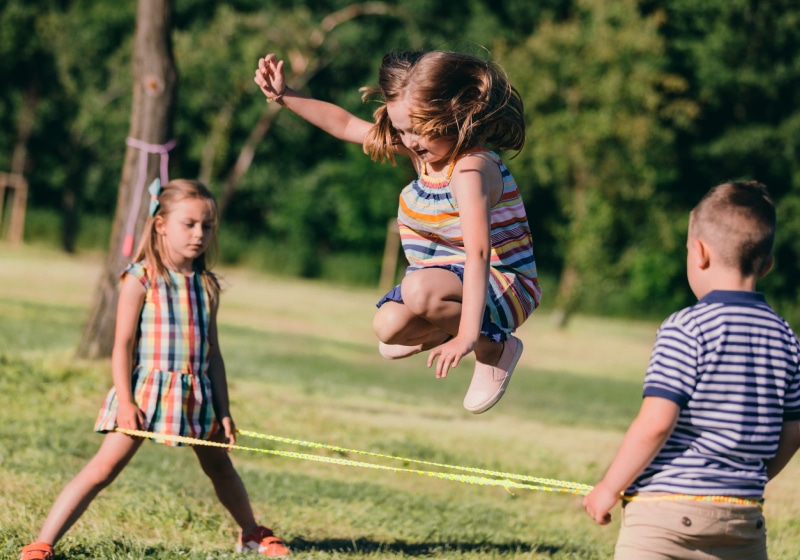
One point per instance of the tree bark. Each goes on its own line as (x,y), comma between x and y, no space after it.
(570,281)
(154,82)
(19,164)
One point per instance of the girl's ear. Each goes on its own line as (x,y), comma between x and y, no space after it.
(159,225)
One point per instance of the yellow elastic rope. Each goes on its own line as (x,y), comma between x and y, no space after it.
(502,479)
(507,481)
(693,498)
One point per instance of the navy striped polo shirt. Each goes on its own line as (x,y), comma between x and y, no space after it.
(731,364)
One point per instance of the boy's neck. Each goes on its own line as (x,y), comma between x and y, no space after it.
(729,280)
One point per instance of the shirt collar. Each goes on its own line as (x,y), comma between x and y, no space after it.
(734,297)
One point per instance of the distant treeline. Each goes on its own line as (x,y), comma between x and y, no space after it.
(634,109)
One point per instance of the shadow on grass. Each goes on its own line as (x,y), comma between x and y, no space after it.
(426,549)
(337,547)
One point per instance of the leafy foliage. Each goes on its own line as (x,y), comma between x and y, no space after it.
(635,109)
(600,146)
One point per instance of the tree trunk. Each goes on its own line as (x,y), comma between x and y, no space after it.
(219,133)
(19,164)
(570,282)
(565,296)
(69,220)
(246,155)
(154,81)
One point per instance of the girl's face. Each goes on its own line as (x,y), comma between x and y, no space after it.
(186,232)
(432,151)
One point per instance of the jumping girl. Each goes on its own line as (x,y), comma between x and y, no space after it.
(471,279)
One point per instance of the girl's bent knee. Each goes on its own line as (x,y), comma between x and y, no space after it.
(389,322)
(379,327)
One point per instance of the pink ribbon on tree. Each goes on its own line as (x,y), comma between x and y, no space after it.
(145,149)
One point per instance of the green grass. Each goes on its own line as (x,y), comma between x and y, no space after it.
(302,363)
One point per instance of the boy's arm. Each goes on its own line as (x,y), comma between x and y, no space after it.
(329,117)
(644,439)
(787,447)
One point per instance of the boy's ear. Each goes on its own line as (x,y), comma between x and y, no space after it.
(767,267)
(702,254)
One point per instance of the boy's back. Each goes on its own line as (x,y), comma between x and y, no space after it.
(727,362)
(721,408)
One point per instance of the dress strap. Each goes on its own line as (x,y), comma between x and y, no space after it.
(445,180)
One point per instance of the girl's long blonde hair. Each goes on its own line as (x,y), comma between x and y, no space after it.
(151,248)
(452,95)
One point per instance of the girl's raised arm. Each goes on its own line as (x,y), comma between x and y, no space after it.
(329,117)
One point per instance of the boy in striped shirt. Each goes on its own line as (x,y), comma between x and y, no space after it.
(721,409)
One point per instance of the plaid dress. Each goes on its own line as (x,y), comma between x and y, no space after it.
(169,378)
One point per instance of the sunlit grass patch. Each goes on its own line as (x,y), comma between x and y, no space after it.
(315,375)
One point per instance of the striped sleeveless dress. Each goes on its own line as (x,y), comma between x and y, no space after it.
(430,232)
(170,363)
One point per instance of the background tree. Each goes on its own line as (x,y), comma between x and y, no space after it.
(741,60)
(635,108)
(25,55)
(598,148)
(151,122)
(306,60)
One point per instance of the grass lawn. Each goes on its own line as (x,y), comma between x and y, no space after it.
(302,363)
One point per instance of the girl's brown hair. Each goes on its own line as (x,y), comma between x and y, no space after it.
(452,95)
(150,247)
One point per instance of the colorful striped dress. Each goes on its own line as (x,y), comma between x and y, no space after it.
(430,231)
(170,363)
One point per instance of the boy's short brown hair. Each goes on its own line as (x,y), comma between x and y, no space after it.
(737,219)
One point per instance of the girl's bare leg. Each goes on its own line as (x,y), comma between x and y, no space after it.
(430,313)
(432,305)
(395,324)
(115,452)
(230,490)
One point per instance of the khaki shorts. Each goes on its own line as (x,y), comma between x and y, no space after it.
(691,530)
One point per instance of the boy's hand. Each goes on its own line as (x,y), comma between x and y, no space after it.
(599,502)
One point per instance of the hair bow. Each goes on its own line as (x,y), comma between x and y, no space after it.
(154,189)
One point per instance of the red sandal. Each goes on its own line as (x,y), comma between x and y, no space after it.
(262,541)
(37,551)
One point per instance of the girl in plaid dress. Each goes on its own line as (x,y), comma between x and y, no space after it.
(169,376)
